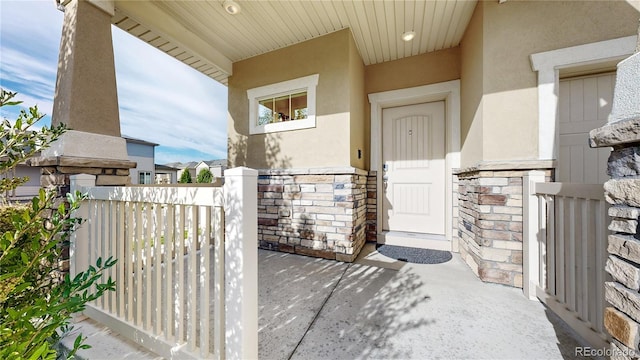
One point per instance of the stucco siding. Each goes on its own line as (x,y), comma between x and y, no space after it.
(86,97)
(471,89)
(511,32)
(429,68)
(359,130)
(328,144)
(142,150)
(144,163)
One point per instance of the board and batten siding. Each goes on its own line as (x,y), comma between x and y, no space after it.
(584,104)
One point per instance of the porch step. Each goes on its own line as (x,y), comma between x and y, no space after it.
(415,240)
(105,344)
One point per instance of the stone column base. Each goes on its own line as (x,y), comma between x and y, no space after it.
(490,218)
(55,172)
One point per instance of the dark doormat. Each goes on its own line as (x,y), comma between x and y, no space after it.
(414,255)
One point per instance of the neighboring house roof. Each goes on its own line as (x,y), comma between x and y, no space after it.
(165,168)
(138,141)
(194,164)
(219,162)
(174,164)
(214,163)
(180,166)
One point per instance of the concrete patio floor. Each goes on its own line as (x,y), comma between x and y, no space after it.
(384,309)
(379,308)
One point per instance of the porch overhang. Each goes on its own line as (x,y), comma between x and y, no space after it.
(204,36)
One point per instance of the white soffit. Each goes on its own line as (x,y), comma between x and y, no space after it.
(203,35)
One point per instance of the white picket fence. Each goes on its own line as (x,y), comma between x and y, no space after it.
(186,276)
(565,250)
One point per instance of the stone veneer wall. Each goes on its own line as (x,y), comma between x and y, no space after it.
(622,191)
(490,219)
(314,212)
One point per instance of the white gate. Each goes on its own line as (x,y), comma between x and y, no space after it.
(565,244)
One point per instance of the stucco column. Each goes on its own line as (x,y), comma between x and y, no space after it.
(86,101)
(622,192)
(86,98)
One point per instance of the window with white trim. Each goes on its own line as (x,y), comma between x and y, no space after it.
(284,106)
(144,177)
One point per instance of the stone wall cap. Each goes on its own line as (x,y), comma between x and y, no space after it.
(82,162)
(621,132)
(314,171)
(507,165)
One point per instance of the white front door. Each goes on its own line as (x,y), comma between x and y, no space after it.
(413,159)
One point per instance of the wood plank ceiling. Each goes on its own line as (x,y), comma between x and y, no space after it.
(203,35)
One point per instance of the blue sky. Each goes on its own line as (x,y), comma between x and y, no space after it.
(161,100)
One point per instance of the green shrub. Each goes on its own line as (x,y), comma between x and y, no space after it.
(185,178)
(204,176)
(36,301)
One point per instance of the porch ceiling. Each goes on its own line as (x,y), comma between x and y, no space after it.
(202,35)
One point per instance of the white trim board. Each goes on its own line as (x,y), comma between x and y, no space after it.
(449,92)
(548,65)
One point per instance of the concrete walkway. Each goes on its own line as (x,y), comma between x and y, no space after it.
(381,309)
(378,308)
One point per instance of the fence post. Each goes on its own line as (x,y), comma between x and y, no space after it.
(241,263)
(79,247)
(531,227)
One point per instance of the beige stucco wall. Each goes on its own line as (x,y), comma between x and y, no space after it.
(471,89)
(328,144)
(430,68)
(506,117)
(358,113)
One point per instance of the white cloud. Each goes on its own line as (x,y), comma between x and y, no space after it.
(161,100)
(29,40)
(184,108)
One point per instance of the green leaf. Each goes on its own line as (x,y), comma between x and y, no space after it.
(25,258)
(77,342)
(21,287)
(39,351)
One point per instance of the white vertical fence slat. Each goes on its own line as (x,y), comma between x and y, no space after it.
(138,246)
(180,275)
(130,253)
(204,276)
(551,248)
(170,254)
(560,268)
(192,238)
(572,229)
(571,257)
(121,241)
(218,286)
(157,266)
(146,263)
(183,252)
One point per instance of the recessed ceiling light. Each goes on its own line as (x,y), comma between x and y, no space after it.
(231,7)
(408,35)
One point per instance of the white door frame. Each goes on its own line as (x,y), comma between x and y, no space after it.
(548,65)
(449,92)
